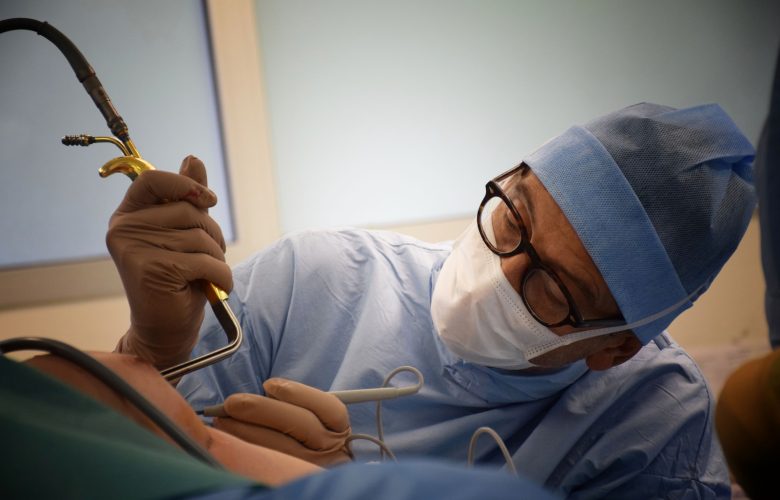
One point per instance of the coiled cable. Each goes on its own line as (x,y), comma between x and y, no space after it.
(379,440)
(504,451)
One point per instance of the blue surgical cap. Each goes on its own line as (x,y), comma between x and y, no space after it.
(660,198)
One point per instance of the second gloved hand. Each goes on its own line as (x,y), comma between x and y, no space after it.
(292,418)
(164,244)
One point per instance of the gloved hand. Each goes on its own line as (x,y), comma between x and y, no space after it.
(163,242)
(292,418)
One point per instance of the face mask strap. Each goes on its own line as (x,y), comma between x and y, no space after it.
(588,334)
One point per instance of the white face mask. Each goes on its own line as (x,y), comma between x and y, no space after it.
(481,318)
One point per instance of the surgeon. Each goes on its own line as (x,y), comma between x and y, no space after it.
(544,320)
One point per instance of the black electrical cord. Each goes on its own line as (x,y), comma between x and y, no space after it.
(116,383)
(81,67)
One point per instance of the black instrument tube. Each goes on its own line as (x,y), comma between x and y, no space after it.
(81,67)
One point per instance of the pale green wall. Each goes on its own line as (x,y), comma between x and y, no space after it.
(386,113)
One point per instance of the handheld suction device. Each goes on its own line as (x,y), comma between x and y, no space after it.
(131,164)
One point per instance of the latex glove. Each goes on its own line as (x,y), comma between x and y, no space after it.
(163,242)
(292,418)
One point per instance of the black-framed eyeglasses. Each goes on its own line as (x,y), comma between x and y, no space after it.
(542,291)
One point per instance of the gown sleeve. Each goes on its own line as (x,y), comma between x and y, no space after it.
(263,288)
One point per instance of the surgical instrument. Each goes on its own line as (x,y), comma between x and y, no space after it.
(347,397)
(510,464)
(131,164)
(377,394)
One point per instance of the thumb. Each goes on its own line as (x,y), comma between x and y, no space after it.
(329,410)
(194,168)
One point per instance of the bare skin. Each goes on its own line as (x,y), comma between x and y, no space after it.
(561,249)
(255,462)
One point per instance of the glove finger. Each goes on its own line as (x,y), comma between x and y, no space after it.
(294,421)
(184,241)
(270,438)
(178,215)
(194,168)
(156,186)
(165,275)
(192,241)
(199,266)
(328,408)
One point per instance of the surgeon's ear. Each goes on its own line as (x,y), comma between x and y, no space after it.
(616,349)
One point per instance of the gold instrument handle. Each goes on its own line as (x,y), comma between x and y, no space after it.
(132,165)
(128,165)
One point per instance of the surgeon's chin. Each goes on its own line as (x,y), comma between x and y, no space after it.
(600,353)
(538,370)
(550,362)
(558,358)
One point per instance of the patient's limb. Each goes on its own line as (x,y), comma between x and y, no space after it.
(257,462)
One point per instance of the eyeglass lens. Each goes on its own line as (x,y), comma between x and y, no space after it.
(503,232)
(541,292)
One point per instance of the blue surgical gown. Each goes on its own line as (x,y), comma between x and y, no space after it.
(341,309)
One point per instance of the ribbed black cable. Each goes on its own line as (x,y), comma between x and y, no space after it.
(84,72)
